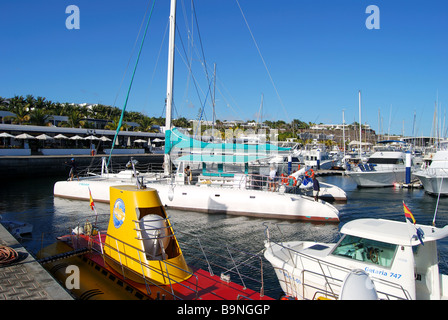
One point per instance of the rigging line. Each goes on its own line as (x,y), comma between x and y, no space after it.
(262,59)
(130,85)
(158,55)
(190,46)
(202,47)
(132,53)
(188,66)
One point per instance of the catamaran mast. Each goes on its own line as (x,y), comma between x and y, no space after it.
(169,88)
(360,125)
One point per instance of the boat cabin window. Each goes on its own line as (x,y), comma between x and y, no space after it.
(386,160)
(366,250)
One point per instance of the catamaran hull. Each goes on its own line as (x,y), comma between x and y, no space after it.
(327,192)
(212,200)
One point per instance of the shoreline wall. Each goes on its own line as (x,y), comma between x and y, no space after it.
(46,166)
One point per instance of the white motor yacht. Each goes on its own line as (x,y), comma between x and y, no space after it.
(400,264)
(434,178)
(383,169)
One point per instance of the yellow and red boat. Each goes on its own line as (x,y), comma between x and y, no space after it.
(138,257)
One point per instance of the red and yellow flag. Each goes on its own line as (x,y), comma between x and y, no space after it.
(408,213)
(92,204)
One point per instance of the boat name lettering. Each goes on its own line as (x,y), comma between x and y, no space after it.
(290,277)
(83,184)
(382,273)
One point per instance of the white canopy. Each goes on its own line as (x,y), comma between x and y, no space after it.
(91,138)
(104,138)
(6,135)
(76,138)
(60,136)
(24,136)
(44,137)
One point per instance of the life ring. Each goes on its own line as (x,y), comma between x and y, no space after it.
(294,181)
(284,179)
(308,174)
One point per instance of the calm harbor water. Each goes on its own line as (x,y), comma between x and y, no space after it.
(31,200)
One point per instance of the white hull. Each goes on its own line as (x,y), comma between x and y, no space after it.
(435,178)
(327,192)
(397,262)
(386,178)
(204,198)
(298,278)
(433,184)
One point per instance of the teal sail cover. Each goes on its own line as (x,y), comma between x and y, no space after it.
(177,140)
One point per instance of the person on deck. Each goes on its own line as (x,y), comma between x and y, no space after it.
(316,188)
(187,177)
(73,169)
(272,179)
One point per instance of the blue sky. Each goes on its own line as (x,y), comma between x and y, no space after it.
(318,55)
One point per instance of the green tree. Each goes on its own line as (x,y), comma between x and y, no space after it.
(75,119)
(17,105)
(38,117)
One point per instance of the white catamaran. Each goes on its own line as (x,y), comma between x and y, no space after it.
(175,193)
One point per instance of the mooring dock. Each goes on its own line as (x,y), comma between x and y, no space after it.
(24,278)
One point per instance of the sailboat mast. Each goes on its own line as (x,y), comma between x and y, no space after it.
(169,88)
(360,126)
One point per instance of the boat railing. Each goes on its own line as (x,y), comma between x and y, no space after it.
(229,262)
(250,181)
(332,275)
(442,172)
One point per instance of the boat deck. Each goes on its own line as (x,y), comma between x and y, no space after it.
(202,285)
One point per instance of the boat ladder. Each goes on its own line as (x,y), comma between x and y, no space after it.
(64,255)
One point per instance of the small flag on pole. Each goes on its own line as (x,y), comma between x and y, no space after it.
(419,234)
(92,204)
(408,213)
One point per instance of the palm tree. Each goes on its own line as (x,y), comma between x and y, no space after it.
(18,107)
(74,119)
(145,124)
(38,117)
(114,124)
(4,103)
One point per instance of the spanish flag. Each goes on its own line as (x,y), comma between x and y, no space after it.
(408,213)
(92,204)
